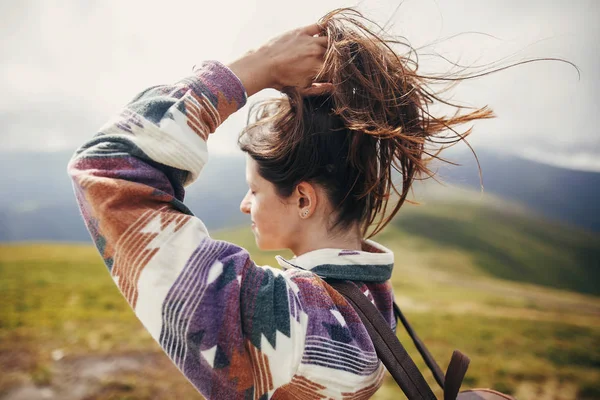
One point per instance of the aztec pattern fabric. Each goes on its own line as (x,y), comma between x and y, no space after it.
(236,330)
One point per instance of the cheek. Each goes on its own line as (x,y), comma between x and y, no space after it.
(256,206)
(257,211)
(269,215)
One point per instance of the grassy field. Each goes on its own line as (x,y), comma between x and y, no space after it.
(67,333)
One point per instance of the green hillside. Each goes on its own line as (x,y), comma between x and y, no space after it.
(508,244)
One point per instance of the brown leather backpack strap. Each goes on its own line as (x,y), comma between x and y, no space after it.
(427,357)
(388,347)
(457,368)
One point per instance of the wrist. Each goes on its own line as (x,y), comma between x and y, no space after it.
(253,71)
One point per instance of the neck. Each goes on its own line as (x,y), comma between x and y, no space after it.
(310,242)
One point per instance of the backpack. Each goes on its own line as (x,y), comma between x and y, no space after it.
(397,361)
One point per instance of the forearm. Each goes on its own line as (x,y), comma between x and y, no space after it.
(253,71)
(170,124)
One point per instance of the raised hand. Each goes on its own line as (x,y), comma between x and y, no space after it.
(291,59)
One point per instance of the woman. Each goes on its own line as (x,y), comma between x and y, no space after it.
(319,170)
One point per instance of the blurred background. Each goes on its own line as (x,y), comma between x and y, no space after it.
(509,275)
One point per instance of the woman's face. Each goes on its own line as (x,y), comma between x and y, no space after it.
(273,221)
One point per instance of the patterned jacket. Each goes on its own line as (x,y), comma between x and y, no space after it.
(235,329)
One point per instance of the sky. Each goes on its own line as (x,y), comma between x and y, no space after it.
(67,66)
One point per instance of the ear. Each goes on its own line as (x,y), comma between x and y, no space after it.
(306,197)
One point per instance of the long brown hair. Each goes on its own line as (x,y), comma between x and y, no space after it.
(377,118)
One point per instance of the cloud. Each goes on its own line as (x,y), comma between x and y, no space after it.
(64,70)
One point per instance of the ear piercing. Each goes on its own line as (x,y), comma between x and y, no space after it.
(305,213)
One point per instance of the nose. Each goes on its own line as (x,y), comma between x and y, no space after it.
(245,204)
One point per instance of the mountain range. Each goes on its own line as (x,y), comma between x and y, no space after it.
(38,202)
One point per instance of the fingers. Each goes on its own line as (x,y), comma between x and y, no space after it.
(312,29)
(315,29)
(321,41)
